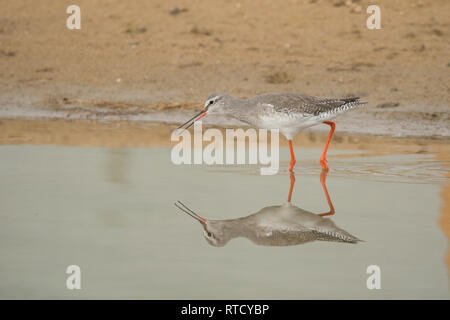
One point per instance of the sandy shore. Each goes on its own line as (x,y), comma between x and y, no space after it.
(151,60)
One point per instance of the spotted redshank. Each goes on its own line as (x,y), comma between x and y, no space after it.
(281,225)
(288,112)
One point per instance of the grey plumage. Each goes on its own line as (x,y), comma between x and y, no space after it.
(288,112)
(284,225)
(307,105)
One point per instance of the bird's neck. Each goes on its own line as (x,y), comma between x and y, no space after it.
(235,228)
(241,110)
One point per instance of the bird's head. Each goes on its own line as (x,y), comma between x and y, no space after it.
(214,234)
(212,230)
(215,104)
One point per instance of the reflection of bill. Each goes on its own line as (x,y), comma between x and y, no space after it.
(283,225)
(235,153)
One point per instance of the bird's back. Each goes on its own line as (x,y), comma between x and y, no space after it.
(304,104)
(292,112)
(290,225)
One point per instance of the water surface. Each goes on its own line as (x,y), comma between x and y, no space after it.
(110,211)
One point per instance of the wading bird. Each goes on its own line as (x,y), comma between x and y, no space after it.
(283,225)
(288,112)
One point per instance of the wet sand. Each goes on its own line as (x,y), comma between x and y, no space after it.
(147,134)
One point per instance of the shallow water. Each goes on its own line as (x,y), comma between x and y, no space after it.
(111,211)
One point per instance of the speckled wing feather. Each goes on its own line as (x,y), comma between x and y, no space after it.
(303,104)
(295,237)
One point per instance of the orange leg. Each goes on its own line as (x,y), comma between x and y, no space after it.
(323,178)
(292,164)
(291,188)
(323,158)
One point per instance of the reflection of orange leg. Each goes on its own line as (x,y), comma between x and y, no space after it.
(291,187)
(323,178)
(323,158)
(291,166)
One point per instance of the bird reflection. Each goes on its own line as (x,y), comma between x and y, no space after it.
(282,225)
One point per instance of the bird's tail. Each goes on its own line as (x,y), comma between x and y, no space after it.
(348,104)
(354,101)
(340,106)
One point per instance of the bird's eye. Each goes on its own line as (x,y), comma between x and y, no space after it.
(211,101)
(209,234)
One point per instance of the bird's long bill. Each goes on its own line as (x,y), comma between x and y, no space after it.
(191,121)
(185,209)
